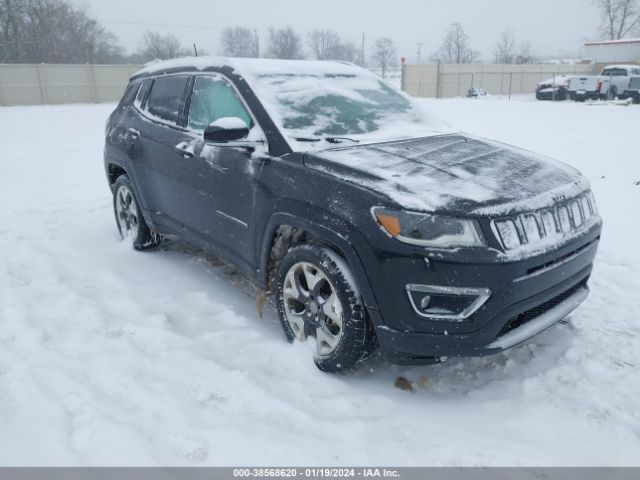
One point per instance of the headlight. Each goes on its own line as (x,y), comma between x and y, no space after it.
(429,230)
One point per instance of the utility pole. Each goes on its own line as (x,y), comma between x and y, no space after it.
(419,53)
(362,54)
(255,32)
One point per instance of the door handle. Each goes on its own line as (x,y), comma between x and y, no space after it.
(135,134)
(181,150)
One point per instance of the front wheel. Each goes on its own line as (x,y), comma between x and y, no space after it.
(318,300)
(129,219)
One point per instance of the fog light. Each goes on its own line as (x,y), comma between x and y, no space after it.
(446,303)
(424,303)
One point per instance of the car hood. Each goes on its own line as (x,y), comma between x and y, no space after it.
(458,174)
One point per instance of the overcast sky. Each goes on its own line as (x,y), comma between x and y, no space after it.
(554,28)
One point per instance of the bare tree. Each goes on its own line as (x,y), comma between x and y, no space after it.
(285,43)
(239,42)
(155,46)
(619,17)
(324,44)
(456,47)
(54,31)
(384,55)
(504,52)
(347,52)
(524,56)
(327,45)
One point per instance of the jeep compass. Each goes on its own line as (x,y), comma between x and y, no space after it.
(372,224)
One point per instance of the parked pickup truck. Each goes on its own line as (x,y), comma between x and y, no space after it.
(612,81)
(633,90)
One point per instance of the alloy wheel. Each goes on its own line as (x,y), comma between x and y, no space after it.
(312,307)
(127,213)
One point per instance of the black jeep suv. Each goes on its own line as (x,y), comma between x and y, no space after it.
(371,223)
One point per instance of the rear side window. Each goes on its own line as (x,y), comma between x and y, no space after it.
(614,72)
(129,94)
(142,93)
(165,99)
(212,99)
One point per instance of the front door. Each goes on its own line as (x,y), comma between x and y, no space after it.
(220,180)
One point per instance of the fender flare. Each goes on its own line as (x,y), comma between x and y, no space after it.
(338,240)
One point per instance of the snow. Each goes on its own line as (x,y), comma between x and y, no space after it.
(614,42)
(114,357)
(557,81)
(230,123)
(346,103)
(458,174)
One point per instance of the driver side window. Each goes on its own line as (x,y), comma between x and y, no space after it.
(212,99)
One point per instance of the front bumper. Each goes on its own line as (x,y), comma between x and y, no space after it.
(526,298)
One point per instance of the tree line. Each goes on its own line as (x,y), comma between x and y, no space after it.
(55,31)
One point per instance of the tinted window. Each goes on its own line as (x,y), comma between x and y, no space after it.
(212,99)
(129,94)
(165,98)
(142,93)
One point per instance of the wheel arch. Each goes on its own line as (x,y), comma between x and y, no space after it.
(114,171)
(286,230)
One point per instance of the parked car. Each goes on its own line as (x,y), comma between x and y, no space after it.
(611,82)
(373,224)
(633,90)
(555,88)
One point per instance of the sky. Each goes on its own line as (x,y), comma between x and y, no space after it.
(555,29)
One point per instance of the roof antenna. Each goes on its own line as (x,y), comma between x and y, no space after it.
(195,49)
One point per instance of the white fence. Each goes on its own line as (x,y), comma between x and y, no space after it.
(57,84)
(445,81)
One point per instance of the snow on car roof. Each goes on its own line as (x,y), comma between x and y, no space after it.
(559,80)
(254,66)
(614,42)
(621,66)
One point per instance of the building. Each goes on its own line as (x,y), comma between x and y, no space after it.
(613,51)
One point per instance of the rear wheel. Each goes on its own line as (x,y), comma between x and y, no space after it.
(129,219)
(318,301)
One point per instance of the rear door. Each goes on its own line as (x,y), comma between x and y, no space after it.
(154,131)
(219,181)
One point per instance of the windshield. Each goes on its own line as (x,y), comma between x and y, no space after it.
(359,106)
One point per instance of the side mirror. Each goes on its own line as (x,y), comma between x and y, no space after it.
(227,129)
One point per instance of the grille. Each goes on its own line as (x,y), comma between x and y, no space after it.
(541,309)
(563,219)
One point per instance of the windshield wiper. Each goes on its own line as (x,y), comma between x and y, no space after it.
(326,139)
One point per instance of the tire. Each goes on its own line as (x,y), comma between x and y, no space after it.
(310,280)
(129,220)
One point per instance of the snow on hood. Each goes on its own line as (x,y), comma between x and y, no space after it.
(458,174)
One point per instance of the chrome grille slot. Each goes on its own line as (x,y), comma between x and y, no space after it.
(563,219)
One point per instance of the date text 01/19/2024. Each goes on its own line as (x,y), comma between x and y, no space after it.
(315,473)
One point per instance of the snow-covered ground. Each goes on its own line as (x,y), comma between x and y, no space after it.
(112,357)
